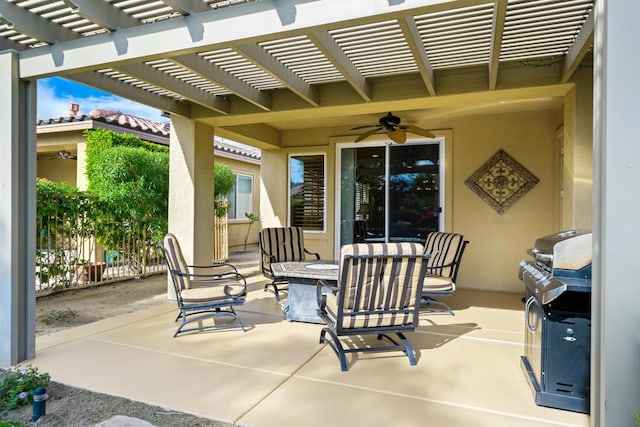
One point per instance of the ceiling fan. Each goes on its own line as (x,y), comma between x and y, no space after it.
(63,155)
(390,125)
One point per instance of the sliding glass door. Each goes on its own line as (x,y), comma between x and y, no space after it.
(389,192)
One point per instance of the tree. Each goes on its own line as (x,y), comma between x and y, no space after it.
(133,183)
(131,180)
(223,182)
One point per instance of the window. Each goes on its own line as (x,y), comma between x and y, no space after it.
(306,192)
(241,197)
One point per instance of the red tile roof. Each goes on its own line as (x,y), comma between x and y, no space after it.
(142,124)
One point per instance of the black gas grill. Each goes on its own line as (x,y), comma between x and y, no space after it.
(558,320)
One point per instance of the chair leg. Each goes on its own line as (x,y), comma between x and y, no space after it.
(199,316)
(430,305)
(406,346)
(336,346)
(276,290)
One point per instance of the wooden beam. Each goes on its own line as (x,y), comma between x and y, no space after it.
(411,33)
(224,27)
(208,70)
(187,7)
(499,16)
(341,61)
(33,25)
(261,58)
(128,91)
(578,49)
(102,14)
(160,79)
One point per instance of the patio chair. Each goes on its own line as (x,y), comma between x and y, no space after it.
(206,293)
(281,244)
(445,250)
(378,293)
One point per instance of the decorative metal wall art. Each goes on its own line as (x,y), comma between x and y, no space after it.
(501,181)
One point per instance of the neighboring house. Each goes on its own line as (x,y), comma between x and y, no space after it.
(61,145)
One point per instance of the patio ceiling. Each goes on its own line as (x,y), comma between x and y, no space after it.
(265,66)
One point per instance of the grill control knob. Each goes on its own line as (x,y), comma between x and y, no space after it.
(569,337)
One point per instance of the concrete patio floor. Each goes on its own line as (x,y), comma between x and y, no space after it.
(277,374)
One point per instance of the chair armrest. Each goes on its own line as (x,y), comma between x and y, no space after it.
(317,255)
(216,266)
(219,280)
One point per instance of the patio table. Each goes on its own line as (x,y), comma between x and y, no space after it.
(301,304)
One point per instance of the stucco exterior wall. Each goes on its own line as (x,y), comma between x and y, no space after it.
(52,168)
(498,242)
(238,227)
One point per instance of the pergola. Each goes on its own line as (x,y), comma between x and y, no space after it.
(261,72)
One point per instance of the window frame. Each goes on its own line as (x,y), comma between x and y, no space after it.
(324,187)
(235,188)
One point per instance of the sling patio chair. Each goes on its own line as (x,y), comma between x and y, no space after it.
(445,254)
(378,293)
(203,292)
(281,244)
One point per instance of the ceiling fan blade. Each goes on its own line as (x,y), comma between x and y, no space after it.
(419,131)
(363,127)
(366,134)
(397,135)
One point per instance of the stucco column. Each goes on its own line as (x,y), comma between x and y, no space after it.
(273,189)
(615,350)
(191,190)
(17,213)
(82,182)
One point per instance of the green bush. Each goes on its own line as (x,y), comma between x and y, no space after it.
(223,181)
(17,386)
(131,179)
(63,214)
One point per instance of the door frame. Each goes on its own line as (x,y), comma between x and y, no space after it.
(445,192)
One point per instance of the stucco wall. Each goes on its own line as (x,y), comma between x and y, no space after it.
(238,227)
(498,242)
(54,169)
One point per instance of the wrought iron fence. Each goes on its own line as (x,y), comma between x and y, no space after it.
(68,254)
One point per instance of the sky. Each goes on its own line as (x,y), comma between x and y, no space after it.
(55,94)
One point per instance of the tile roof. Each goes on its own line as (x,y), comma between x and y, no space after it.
(141,124)
(127,120)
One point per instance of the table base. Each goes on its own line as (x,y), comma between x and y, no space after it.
(302,304)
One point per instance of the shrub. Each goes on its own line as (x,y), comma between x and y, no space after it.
(63,215)
(223,181)
(130,177)
(17,386)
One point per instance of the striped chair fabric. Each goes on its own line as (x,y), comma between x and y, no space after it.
(445,253)
(281,244)
(444,250)
(379,291)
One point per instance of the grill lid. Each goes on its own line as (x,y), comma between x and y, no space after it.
(566,250)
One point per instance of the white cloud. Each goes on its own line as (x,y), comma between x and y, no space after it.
(52,105)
